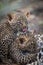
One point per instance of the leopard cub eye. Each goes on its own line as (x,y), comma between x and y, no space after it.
(21,40)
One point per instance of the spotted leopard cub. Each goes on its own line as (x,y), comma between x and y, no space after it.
(24,49)
(18,22)
(6,38)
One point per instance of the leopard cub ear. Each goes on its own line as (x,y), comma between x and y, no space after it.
(27,14)
(9,17)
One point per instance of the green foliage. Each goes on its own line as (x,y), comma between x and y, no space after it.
(1,5)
